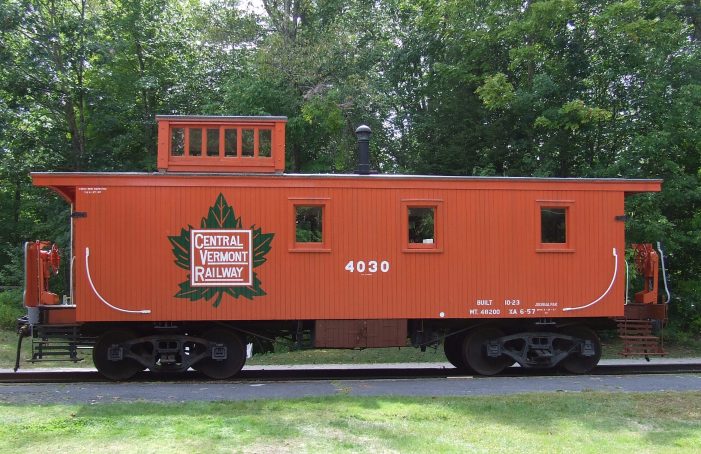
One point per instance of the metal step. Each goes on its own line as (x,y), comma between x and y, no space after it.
(51,350)
(638,338)
(58,343)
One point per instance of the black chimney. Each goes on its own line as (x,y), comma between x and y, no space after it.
(363,134)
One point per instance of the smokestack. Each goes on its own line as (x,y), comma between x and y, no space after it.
(363,134)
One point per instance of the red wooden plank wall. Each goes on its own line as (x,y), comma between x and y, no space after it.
(489,240)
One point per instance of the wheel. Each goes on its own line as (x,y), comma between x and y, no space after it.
(220,369)
(122,369)
(474,350)
(452,346)
(576,363)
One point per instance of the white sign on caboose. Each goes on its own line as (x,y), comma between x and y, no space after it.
(221,258)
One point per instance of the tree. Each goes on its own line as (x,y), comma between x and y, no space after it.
(579,88)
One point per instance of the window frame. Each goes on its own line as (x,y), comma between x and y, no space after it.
(325,244)
(438,238)
(221,138)
(568,245)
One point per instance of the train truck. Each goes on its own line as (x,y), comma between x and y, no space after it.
(220,248)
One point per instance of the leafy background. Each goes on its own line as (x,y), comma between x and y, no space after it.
(566,88)
(220,216)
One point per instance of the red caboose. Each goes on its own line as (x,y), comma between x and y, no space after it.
(183,267)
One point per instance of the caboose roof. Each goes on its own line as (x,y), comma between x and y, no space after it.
(66,182)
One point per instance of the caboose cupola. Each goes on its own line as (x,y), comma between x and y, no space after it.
(221,144)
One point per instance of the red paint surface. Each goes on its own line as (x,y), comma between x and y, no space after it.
(487,246)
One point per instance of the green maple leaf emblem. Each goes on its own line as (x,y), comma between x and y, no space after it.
(220,216)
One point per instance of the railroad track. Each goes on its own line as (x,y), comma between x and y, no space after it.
(272,375)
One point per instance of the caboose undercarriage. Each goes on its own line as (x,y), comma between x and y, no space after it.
(219,349)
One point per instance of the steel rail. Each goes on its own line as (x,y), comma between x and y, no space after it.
(331,373)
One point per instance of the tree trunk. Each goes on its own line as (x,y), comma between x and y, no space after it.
(16,210)
(692,9)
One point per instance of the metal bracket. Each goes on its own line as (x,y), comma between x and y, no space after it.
(588,348)
(79,214)
(493,349)
(219,353)
(115,353)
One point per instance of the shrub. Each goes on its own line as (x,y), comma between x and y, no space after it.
(11,308)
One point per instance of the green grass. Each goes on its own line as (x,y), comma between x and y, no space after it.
(8,346)
(550,423)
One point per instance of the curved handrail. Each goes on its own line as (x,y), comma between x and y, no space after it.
(613,279)
(664,273)
(87,271)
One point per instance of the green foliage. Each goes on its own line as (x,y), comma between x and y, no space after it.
(421,224)
(11,308)
(496,92)
(572,116)
(539,88)
(309,227)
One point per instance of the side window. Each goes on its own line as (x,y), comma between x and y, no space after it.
(265,143)
(422,222)
(231,143)
(177,140)
(422,225)
(248,142)
(554,220)
(309,225)
(553,225)
(195,141)
(191,141)
(212,142)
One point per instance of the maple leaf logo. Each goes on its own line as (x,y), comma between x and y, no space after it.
(220,216)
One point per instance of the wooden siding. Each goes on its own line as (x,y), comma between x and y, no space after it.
(360,333)
(489,247)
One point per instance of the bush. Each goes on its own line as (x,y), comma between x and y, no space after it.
(685,308)
(11,308)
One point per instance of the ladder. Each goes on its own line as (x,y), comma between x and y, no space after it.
(639,338)
(58,343)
